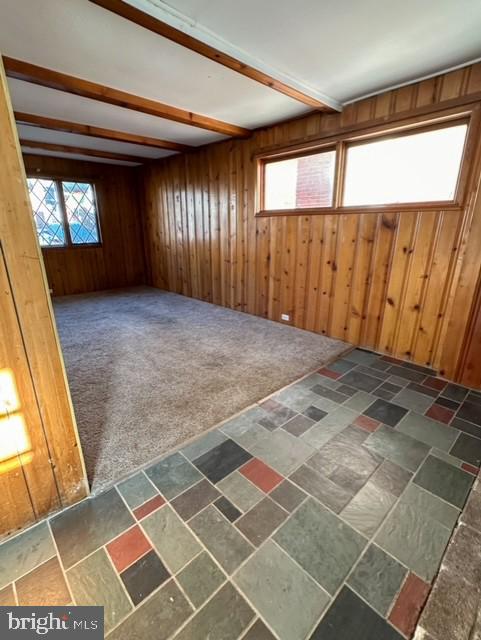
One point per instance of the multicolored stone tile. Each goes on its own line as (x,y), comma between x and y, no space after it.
(43,586)
(194,499)
(136,490)
(240,491)
(200,578)
(261,475)
(94,582)
(236,537)
(285,596)
(173,475)
(225,616)
(89,525)
(171,538)
(127,548)
(144,576)
(321,543)
(409,604)
(156,617)
(230,511)
(350,617)
(24,552)
(221,539)
(222,460)
(258,523)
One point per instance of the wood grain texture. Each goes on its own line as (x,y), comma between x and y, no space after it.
(400,282)
(82,151)
(119,261)
(63,82)
(31,349)
(54,124)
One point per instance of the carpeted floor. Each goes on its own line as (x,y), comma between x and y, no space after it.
(149,370)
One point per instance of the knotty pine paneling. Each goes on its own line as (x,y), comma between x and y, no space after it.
(398,282)
(119,262)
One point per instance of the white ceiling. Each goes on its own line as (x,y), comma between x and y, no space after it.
(334,50)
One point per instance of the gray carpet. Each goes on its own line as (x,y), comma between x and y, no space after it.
(150,369)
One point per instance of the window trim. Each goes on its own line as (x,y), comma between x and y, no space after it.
(342,141)
(66,227)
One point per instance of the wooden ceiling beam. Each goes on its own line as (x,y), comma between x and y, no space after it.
(54,124)
(63,82)
(95,153)
(161,28)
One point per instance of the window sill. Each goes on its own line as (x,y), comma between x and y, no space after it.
(379,208)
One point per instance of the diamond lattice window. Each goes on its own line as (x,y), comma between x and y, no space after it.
(65,212)
(81,212)
(47,212)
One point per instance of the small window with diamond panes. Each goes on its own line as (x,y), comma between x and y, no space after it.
(64,212)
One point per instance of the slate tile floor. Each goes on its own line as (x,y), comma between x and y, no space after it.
(321,513)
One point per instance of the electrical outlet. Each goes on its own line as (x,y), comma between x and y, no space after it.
(285,316)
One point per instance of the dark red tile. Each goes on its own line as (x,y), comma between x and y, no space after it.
(329,374)
(470,468)
(409,604)
(148,507)
(366,423)
(261,475)
(434,383)
(439,413)
(128,548)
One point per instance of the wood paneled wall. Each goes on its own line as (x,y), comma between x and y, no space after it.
(398,282)
(43,470)
(119,262)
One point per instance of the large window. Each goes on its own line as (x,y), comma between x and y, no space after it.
(419,167)
(303,182)
(412,166)
(65,212)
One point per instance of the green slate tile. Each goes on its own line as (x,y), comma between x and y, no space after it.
(444,480)
(240,491)
(24,552)
(94,582)
(89,525)
(258,523)
(368,508)
(202,445)
(414,538)
(136,490)
(288,600)
(329,426)
(397,447)
(377,578)
(173,475)
(200,578)
(282,451)
(171,538)
(321,543)
(221,538)
(431,505)
(258,631)
(319,486)
(157,617)
(224,617)
(428,431)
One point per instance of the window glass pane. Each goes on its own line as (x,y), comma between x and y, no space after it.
(297,183)
(418,167)
(81,212)
(46,212)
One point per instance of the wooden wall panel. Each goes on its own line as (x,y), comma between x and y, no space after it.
(119,261)
(29,348)
(399,282)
